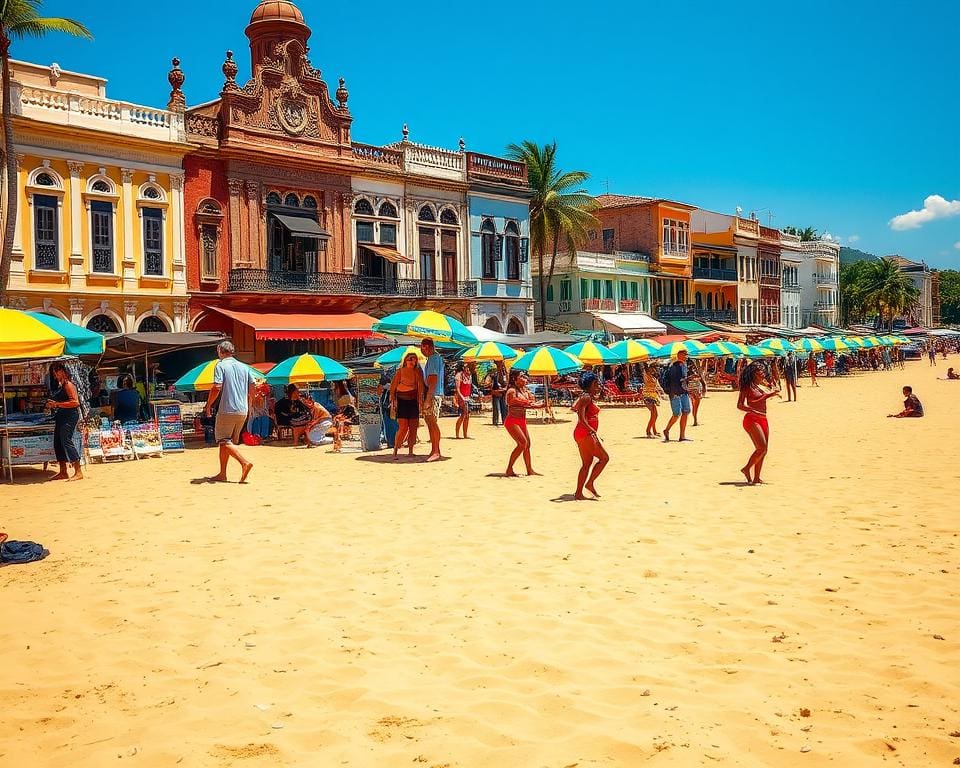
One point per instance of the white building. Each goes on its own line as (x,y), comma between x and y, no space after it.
(819,282)
(791,257)
(921,276)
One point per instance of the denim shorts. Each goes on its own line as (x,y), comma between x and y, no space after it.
(679,403)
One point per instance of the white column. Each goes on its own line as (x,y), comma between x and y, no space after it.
(76,310)
(176,203)
(129,214)
(130,316)
(77,269)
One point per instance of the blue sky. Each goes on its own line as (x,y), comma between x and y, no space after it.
(835,115)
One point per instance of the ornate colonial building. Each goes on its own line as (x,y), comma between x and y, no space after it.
(99,238)
(296,235)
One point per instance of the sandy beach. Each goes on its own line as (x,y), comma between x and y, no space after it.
(343,610)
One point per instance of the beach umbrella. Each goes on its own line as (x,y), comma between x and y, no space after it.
(79,340)
(890,341)
(854,342)
(692,347)
(490,350)
(23,336)
(633,350)
(872,341)
(263,367)
(778,345)
(753,352)
(726,349)
(592,353)
(305,369)
(835,344)
(426,324)
(394,357)
(200,378)
(547,361)
(809,345)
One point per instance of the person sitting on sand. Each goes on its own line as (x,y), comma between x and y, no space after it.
(951,374)
(321,424)
(290,411)
(911,406)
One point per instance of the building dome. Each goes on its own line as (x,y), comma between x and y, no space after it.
(276,10)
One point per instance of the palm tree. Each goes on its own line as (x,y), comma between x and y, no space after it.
(886,289)
(808,233)
(19,19)
(560,211)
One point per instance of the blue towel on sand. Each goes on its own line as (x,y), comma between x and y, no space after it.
(21,552)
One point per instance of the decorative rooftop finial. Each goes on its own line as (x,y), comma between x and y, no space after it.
(463,144)
(406,132)
(177,102)
(342,94)
(229,70)
(55,73)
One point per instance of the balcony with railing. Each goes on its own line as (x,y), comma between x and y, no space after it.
(770,281)
(791,286)
(693,312)
(598,305)
(825,279)
(52,105)
(825,306)
(499,169)
(246,280)
(633,256)
(708,273)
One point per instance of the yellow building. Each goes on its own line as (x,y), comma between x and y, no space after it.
(99,238)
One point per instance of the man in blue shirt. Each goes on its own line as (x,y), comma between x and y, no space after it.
(233,384)
(433,395)
(676,390)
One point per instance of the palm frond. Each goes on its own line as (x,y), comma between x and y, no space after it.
(39,27)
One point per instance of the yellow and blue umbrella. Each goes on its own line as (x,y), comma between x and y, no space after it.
(396,356)
(200,378)
(79,340)
(778,345)
(306,369)
(809,345)
(726,349)
(854,342)
(634,350)
(692,347)
(426,324)
(490,350)
(753,352)
(547,361)
(592,353)
(22,336)
(872,341)
(835,344)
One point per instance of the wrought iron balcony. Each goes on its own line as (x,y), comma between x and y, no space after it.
(335,283)
(707,273)
(825,306)
(791,287)
(770,281)
(693,312)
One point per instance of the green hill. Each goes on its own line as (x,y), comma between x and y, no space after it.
(850,255)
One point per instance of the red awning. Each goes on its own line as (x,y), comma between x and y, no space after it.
(281,326)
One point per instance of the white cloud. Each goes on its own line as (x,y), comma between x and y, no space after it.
(853,239)
(934,207)
(957,245)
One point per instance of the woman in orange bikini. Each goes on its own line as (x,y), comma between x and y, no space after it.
(519,400)
(585,435)
(753,402)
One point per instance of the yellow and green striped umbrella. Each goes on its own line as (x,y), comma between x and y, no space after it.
(835,344)
(778,345)
(24,337)
(592,353)
(305,369)
(547,361)
(692,347)
(200,378)
(872,341)
(727,349)
(397,355)
(809,345)
(753,352)
(490,350)
(634,350)
(426,324)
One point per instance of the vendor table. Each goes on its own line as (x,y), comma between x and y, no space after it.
(27,443)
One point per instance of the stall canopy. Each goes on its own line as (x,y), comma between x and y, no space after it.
(689,326)
(634,322)
(279,326)
(126,346)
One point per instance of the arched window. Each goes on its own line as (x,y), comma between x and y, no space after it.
(489,253)
(152,193)
(363,207)
(426,214)
(209,217)
(46,232)
(514,326)
(512,238)
(44,180)
(449,216)
(211,207)
(493,324)
(101,186)
(273,198)
(291,200)
(102,324)
(152,324)
(101,234)
(388,210)
(310,202)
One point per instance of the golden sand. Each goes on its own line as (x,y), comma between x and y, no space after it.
(342,610)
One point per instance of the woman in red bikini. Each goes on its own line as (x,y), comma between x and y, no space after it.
(519,400)
(585,435)
(462,394)
(753,402)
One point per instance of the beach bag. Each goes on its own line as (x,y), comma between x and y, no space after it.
(248,438)
(15,552)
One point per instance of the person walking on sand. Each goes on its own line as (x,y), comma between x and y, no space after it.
(495,382)
(463,392)
(65,404)
(812,369)
(696,388)
(753,402)
(233,385)
(585,435)
(432,396)
(519,400)
(790,376)
(932,354)
(651,397)
(406,394)
(676,390)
